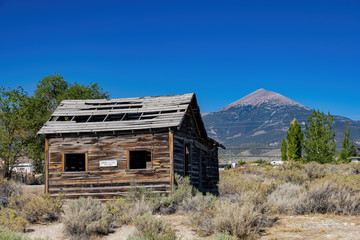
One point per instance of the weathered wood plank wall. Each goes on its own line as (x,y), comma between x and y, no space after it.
(203,168)
(107,182)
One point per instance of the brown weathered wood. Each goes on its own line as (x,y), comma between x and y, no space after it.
(166,123)
(46,165)
(171,150)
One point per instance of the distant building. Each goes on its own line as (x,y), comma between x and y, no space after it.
(276,163)
(23,168)
(355,159)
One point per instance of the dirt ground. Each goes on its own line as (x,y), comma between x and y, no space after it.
(314,227)
(34,189)
(289,227)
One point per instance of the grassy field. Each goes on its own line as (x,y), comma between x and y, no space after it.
(291,201)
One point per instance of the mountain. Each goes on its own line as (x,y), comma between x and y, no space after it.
(255,124)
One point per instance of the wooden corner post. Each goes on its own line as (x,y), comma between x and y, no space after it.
(171,150)
(46,165)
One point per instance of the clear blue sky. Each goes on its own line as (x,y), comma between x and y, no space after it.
(307,50)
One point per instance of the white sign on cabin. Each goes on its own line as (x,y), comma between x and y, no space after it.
(108,163)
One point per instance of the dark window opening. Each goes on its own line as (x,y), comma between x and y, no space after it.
(132,116)
(147,117)
(168,111)
(100,104)
(74,162)
(97,118)
(81,118)
(112,103)
(115,117)
(64,118)
(187,159)
(136,106)
(151,113)
(122,107)
(140,159)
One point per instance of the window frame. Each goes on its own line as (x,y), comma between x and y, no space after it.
(189,160)
(138,150)
(63,159)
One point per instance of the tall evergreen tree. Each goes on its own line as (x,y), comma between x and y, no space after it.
(347,146)
(283,149)
(319,145)
(295,139)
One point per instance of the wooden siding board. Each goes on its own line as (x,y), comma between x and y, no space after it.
(108,148)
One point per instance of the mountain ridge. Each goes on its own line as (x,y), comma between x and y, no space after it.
(260,121)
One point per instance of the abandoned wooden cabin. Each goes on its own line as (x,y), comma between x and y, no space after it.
(98,147)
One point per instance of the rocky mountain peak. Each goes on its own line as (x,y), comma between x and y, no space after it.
(262,96)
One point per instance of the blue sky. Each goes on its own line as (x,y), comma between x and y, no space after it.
(307,50)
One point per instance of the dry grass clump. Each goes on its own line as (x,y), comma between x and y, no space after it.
(36,208)
(8,188)
(18,209)
(85,217)
(233,181)
(293,188)
(329,197)
(150,227)
(7,234)
(124,211)
(10,220)
(192,203)
(42,209)
(242,221)
(286,197)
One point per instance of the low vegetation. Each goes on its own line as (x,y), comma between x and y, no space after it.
(85,217)
(249,201)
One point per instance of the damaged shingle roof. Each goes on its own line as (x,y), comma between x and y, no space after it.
(79,116)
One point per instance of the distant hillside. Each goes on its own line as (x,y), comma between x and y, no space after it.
(256,123)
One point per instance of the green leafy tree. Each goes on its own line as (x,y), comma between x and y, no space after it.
(283,149)
(295,139)
(347,146)
(92,91)
(50,91)
(14,134)
(319,145)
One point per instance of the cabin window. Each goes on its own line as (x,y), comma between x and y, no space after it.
(187,159)
(75,162)
(140,160)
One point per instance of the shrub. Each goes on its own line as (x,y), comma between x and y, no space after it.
(9,219)
(85,217)
(241,162)
(7,188)
(120,209)
(286,173)
(42,209)
(202,217)
(240,221)
(232,181)
(329,197)
(182,190)
(286,197)
(192,203)
(314,170)
(221,236)
(153,228)
(138,191)
(124,211)
(6,234)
